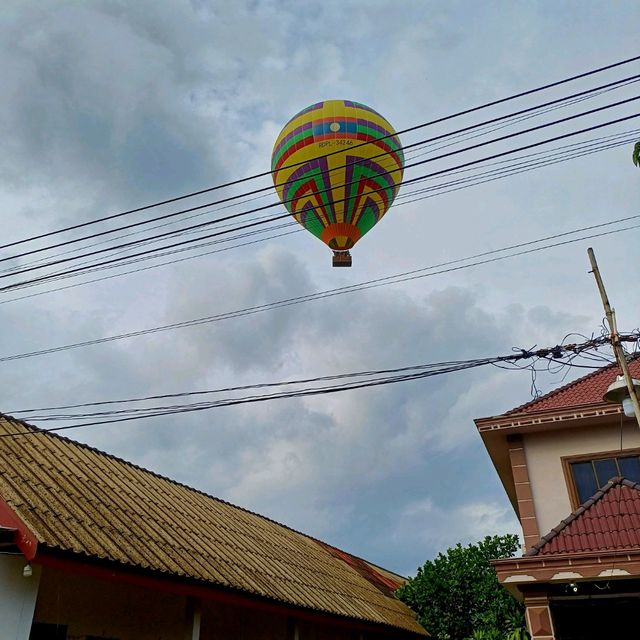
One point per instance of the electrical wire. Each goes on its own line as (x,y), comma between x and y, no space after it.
(370,284)
(154,266)
(268,173)
(269,188)
(475,182)
(354,381)
(513,169)
(497,174)
(430,148)
(400,197)
(548,356)
(263,385)
(406,182)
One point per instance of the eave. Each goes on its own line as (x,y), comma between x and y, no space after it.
(159,581)
(547,420)
(527,571)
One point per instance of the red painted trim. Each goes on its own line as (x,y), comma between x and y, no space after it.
(362,567)
(24,538)
(172,585)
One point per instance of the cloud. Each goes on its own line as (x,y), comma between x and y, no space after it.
(428,525)
(335,466)
(111,104)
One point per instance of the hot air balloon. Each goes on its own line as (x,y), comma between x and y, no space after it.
(337,167)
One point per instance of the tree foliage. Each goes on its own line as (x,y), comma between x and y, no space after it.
(457,595)
(636,154)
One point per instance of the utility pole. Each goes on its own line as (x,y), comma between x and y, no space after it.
(615,336)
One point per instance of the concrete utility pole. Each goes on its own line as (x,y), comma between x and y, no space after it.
(615,337)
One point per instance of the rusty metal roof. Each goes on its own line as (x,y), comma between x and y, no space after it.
(608,521)
(76,499)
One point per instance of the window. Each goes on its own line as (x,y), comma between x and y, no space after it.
(589,475)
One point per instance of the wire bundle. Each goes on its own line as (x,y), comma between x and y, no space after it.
(565,354)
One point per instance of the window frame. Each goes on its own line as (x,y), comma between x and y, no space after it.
(567,461)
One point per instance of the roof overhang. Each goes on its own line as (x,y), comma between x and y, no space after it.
(518,573)
(148,579)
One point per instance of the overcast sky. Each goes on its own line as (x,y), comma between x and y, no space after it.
(109,105)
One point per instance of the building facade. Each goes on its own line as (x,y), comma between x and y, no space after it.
(570,465)
(95,548)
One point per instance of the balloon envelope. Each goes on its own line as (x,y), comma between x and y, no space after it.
(337,167)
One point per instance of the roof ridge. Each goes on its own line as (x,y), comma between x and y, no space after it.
(40,431)
(562,389)
(585,506)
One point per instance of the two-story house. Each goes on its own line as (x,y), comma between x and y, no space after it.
(569,462)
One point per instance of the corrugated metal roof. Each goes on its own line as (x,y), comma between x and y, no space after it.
(608,521)
(77,499)
(584,391)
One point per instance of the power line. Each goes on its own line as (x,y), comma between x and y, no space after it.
(406,182)
(588,147)
(463,183)
(93,269)
(568,101)
(263,385)
(275,204)
(371,379)
(143,241)
(549,355)
(415,274)
(456,135)
(509,170)
(407,130)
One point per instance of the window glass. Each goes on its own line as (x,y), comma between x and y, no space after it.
(584,479)
(606,469)
(630,468)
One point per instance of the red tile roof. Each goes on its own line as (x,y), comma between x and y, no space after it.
(608,521)
(584,391)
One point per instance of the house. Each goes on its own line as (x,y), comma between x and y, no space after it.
(570,465)
(96,548)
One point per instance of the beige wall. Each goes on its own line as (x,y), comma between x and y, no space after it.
(544,452)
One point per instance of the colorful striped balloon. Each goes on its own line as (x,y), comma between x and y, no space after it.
(337,167)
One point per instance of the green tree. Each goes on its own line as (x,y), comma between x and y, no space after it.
(457,595)
(636,154)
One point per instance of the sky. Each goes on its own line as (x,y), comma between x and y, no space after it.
(109,105)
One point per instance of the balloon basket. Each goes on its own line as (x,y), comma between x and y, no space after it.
(341,259)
